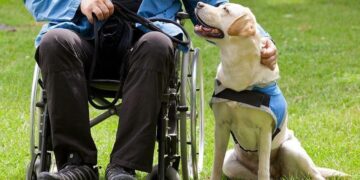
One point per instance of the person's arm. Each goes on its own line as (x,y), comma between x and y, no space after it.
(65,10)
(50,10)
(268,51)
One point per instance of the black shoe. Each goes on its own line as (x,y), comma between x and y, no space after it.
(72,172)
(114,172)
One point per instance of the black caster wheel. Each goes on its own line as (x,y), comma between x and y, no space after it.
(170,174)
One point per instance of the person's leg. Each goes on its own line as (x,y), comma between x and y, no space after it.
(149,65)
(62,56)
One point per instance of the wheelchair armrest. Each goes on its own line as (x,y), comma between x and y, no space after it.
(182,15)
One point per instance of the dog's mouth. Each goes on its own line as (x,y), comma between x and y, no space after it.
(207,31)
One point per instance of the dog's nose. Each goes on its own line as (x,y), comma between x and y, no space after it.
(200,5)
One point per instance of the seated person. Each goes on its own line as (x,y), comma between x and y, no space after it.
(64,53)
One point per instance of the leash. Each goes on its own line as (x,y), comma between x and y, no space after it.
(133,17)
(125,14)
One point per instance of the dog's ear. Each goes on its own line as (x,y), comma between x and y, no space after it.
(243,26)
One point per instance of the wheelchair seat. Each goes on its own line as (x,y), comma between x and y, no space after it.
(104,88)
(105,84)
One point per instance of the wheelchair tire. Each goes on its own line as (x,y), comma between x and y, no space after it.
(31,173)
(38,115)
(35,119)
(170,174)
(192,121)
(33,168)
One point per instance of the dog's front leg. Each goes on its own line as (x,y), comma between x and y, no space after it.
(264,153)
(222,134)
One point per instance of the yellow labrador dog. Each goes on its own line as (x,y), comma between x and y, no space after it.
(249,105)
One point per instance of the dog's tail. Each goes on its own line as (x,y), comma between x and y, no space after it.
(331,173)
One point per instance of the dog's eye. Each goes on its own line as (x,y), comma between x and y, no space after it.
(226,9)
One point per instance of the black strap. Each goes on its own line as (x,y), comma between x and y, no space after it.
(92,70)
(277,131)
(237,142)
(248,97)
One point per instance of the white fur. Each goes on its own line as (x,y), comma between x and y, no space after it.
(239,69)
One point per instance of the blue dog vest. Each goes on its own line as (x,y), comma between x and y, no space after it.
(269,99)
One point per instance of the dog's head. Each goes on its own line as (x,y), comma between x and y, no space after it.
(224,22)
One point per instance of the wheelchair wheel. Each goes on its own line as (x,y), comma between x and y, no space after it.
(41,158)
(192,121)
(170,174)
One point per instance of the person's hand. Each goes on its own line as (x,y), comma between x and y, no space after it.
(101,8)
(268,53)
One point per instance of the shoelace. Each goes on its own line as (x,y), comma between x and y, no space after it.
(113,169)
(77,173)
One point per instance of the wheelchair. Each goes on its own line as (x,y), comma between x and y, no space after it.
(180,130)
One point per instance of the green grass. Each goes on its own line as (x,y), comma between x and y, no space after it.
(318,43)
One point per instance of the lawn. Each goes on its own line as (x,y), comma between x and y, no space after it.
(318,43)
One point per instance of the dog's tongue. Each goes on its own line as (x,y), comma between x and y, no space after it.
(206,30)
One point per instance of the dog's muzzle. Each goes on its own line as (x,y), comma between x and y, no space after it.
(205,30)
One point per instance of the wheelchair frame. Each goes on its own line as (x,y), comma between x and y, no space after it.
(181,122)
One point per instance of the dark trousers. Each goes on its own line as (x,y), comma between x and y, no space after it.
(64,58)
